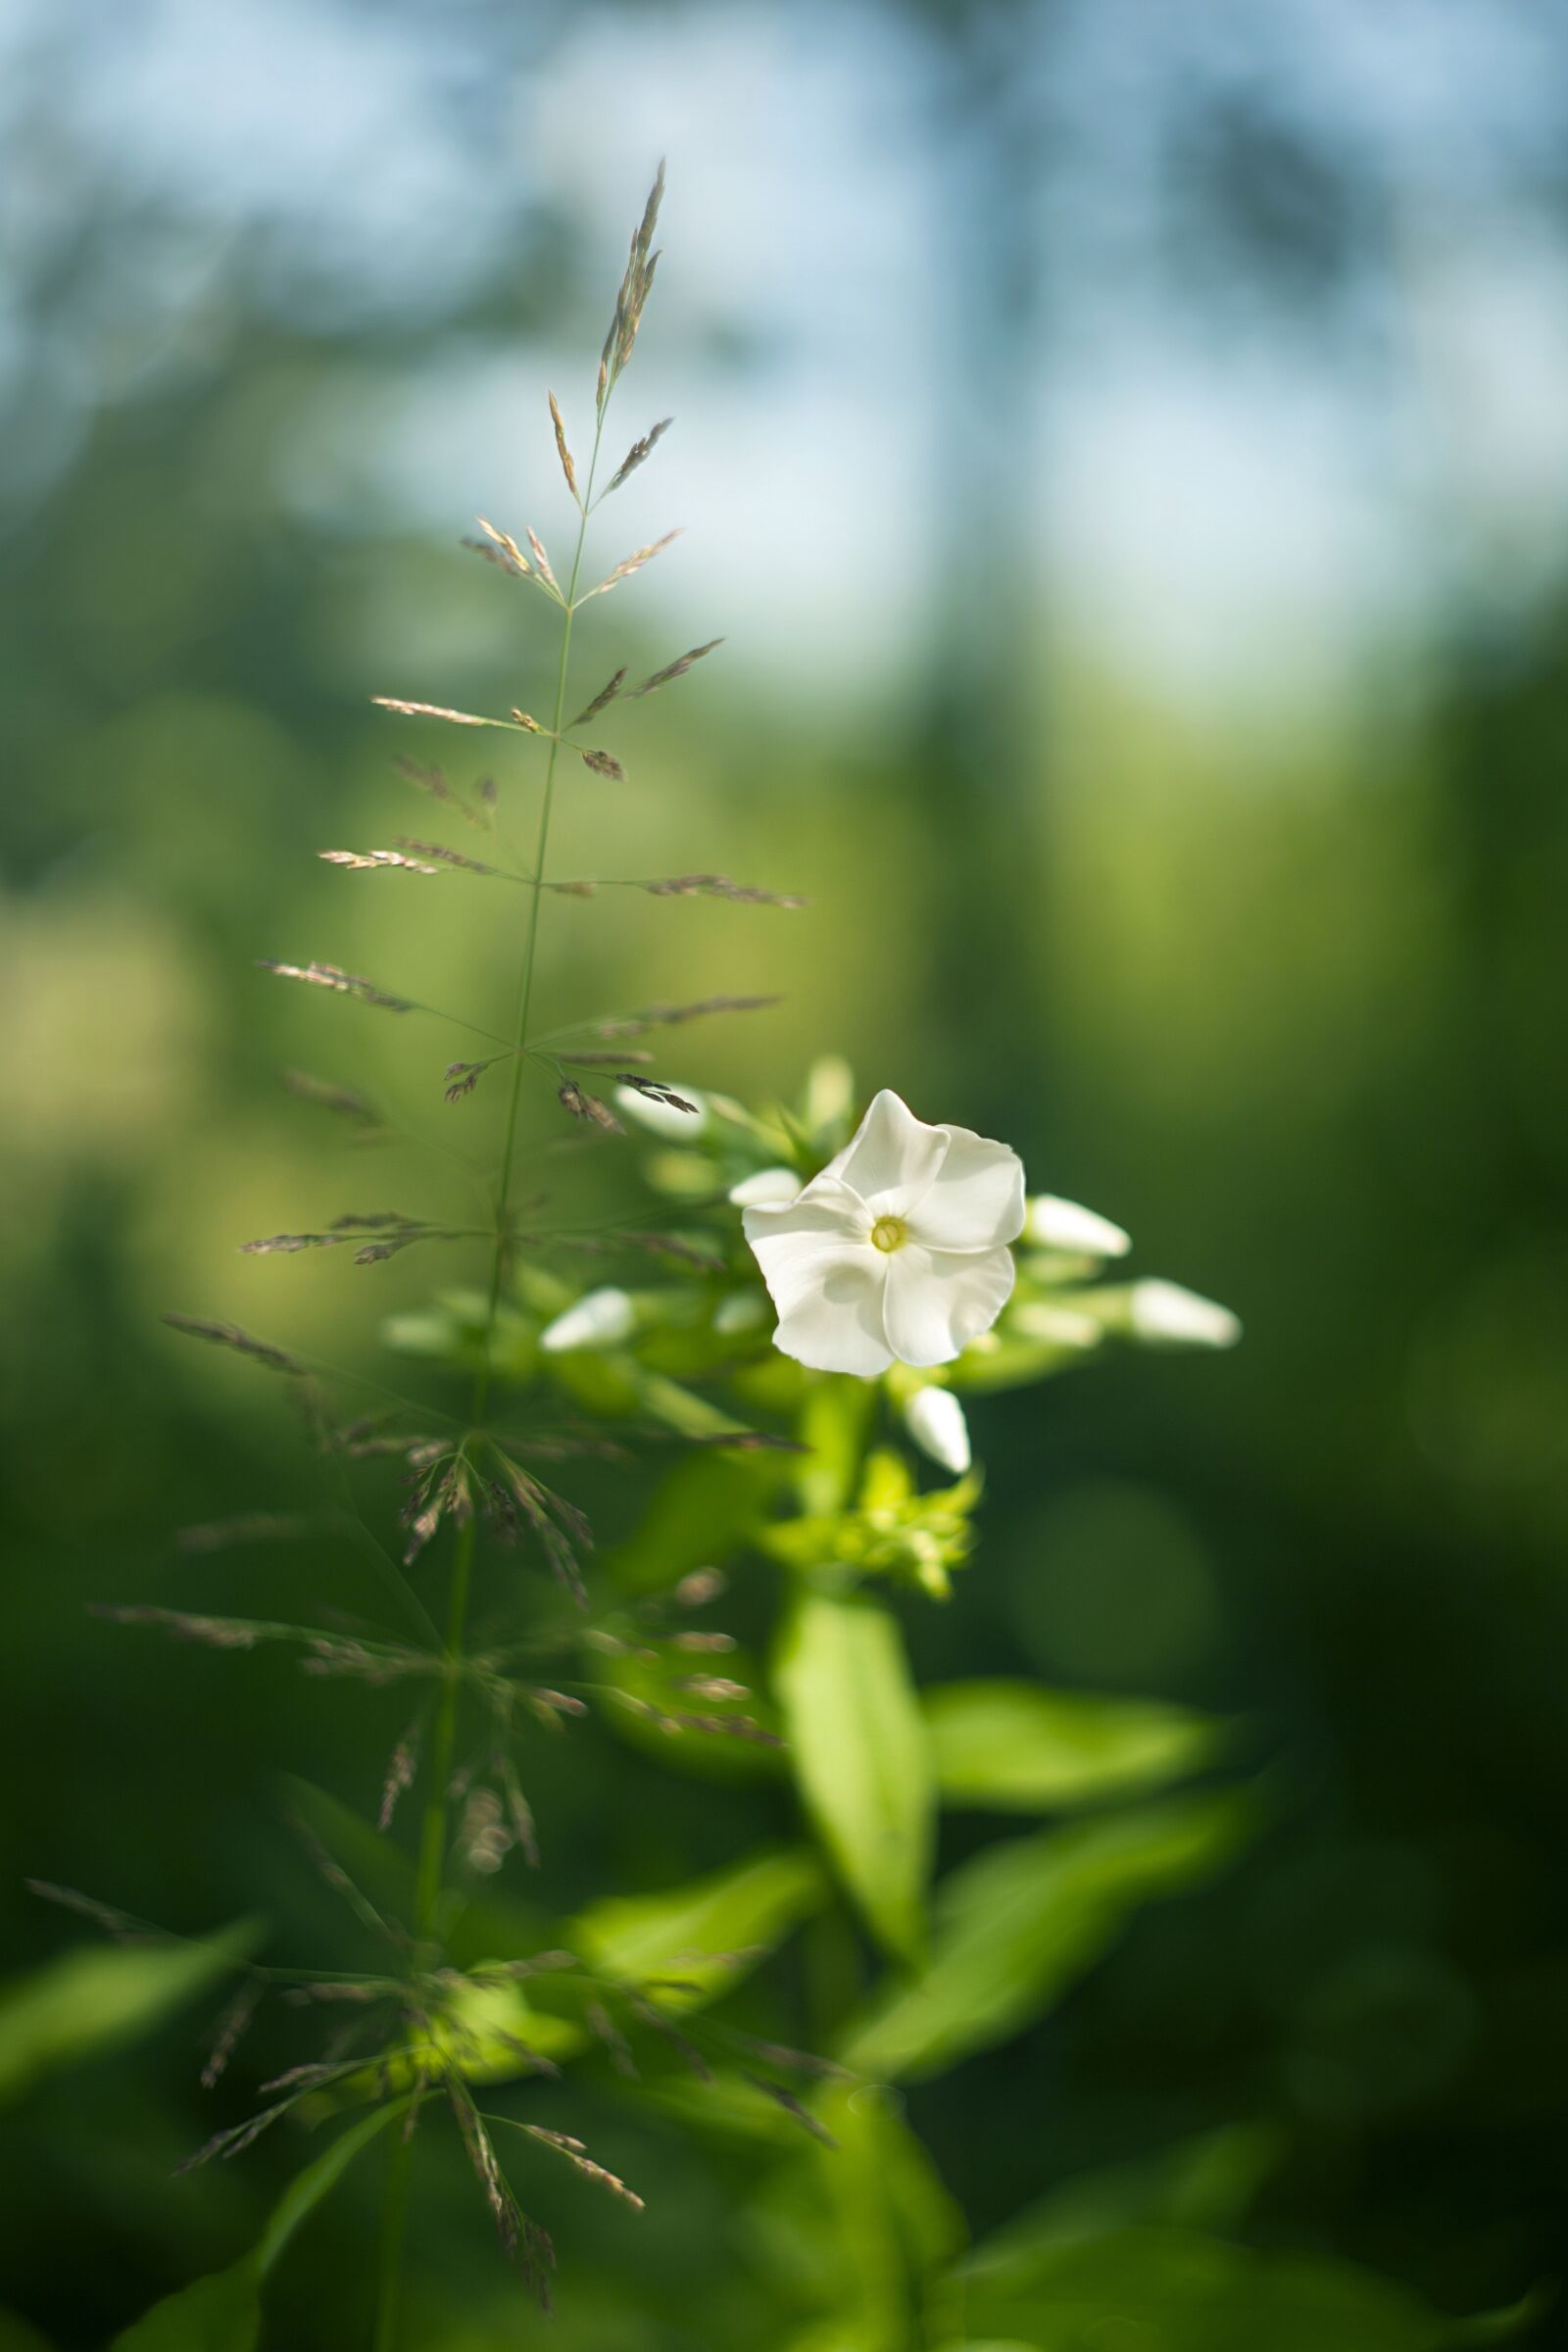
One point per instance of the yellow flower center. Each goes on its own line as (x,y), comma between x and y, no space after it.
(889,1233)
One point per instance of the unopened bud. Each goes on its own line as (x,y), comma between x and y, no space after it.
(935,1421)
(769,1187)
(1165,1313)
(1055,1224)
(599,1319)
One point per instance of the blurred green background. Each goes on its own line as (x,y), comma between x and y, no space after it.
(1127,449)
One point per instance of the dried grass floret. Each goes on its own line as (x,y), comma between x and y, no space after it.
(230,1335)
(678,667)
(639,452)
(343,984)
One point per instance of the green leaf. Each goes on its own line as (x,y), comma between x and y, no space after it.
(485,1925)
(1022,1749)
(654,1687)
(1172,2290)
(861,1755)
(708,1934)
(856,2230)
(1020,1922)
(223,2313)
(102,1996)
(704,1509)
(1209,2183)
(20,2335)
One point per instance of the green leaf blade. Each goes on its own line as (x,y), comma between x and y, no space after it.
(1022,1921)
(101,1997)
(861,1755)
(1013,1746)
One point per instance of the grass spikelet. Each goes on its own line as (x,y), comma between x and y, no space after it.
(670,1016)
(634,563)
(343,984)
(792,2107)
(439,849)
(605,763)
(117,1923)
(562,451)
(718,885)
(253,1527)
(576,2154)
(678,667)
(432,781)
(584,1105)
(230,1335)
(453,719)
(501,544)
(602,700)
(639,452)
(543,562)
(231,2029)
(342,1101)
(656,1092)
(364,860)
(465,1076)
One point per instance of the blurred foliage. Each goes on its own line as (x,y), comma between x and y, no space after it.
(1272,975)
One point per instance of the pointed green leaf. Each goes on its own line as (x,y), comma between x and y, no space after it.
(105,1995)
(1020,1922)
(1177,2291)
(223,2313)
(861,1755)
(1023,1750)
(707,1933)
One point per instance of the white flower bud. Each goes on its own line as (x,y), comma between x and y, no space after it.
(670,1125)
(1165,1312)
(935,1423)
(1053,1224)
(768,1188)
(742,1310)
(599,1319)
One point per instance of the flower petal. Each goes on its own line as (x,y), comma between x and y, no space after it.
(939,1299)
(892,1158)
(976,1200)
(824,1278)
(838,1327)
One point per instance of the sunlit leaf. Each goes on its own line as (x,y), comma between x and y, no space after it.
(861,1755)
(703,1509)
(223,2313)
(1207,2182)
(102,1996)
(1174,2290)
(856,2229)
(705,1935)
(1020,1749)
(1015,1926)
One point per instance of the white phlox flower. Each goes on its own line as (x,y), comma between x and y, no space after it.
(898,1251)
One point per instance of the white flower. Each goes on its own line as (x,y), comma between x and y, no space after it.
(598,1319)
(1164,1311)
(765,1188)
(899,1249)
(935,1421)
(1055,1224)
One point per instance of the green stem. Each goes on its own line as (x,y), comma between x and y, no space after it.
(431,1867)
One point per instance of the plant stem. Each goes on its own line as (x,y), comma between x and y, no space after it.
(433,1824)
